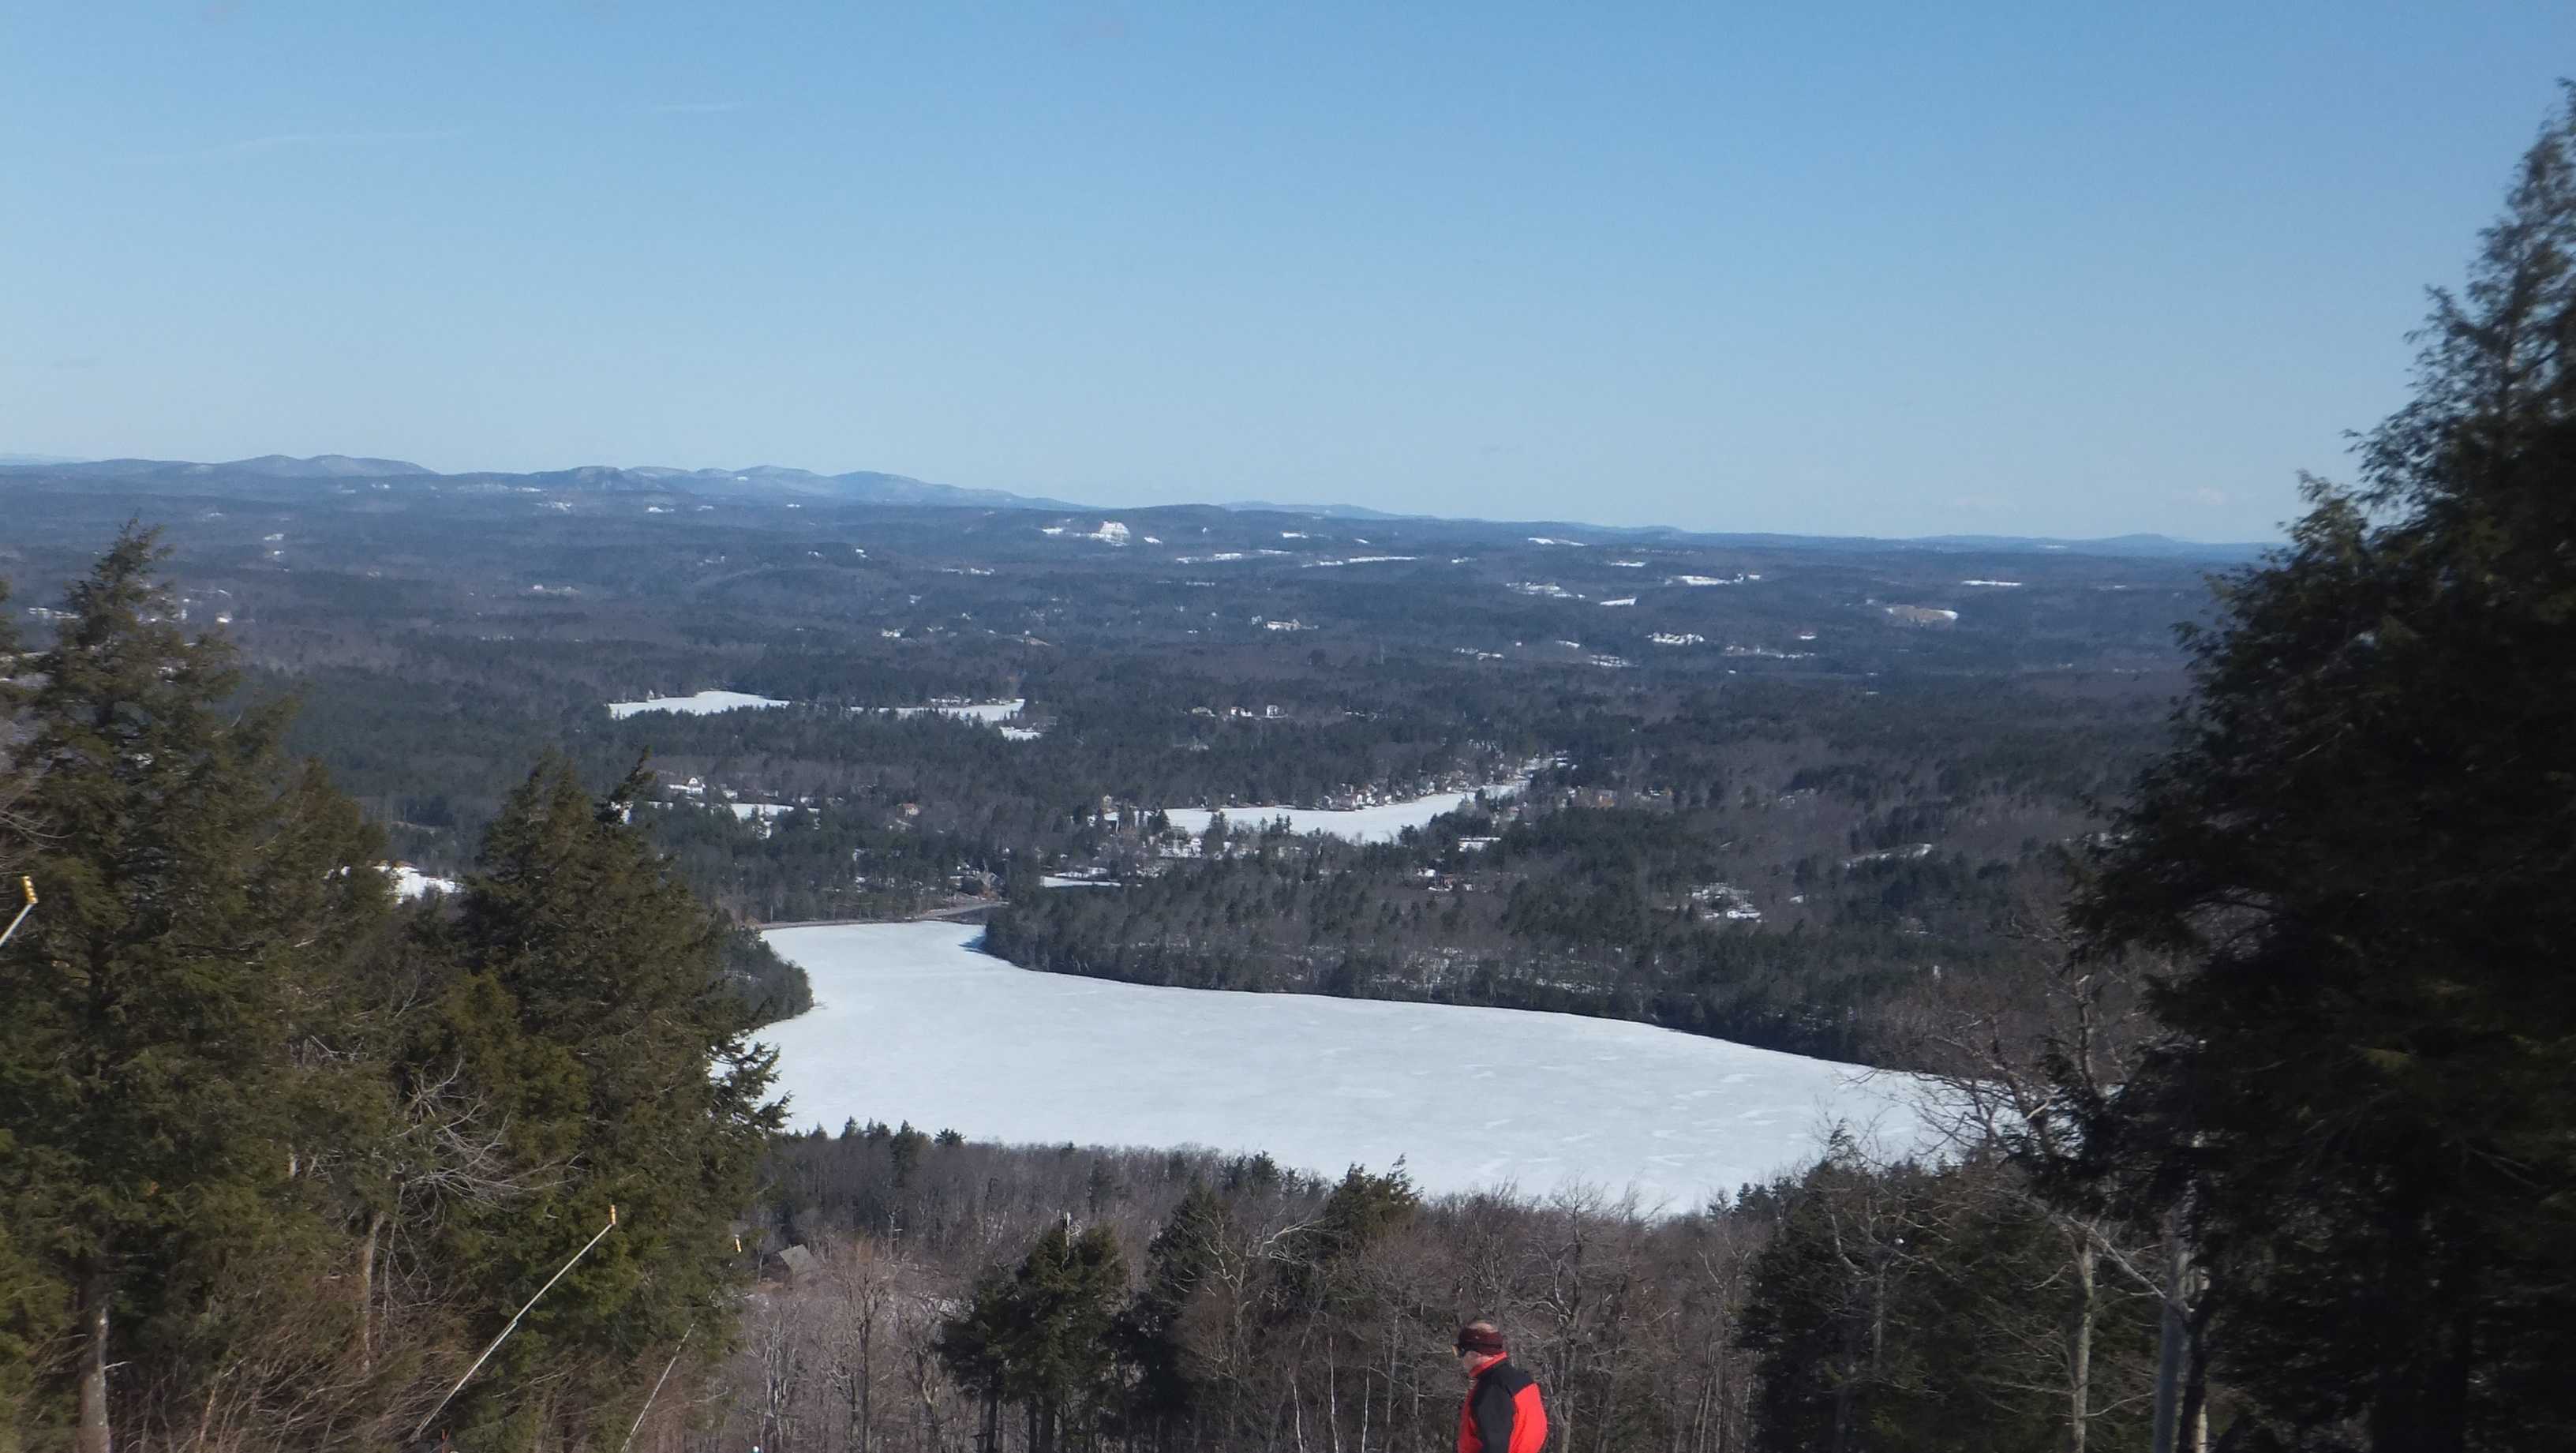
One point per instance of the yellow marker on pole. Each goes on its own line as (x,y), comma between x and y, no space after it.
(26,886)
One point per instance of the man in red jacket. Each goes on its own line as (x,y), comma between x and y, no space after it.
(1503,1413)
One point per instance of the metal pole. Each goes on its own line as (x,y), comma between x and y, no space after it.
(27,886)
(495,1343)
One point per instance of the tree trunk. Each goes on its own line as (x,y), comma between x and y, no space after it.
(2079,1345)
(2172,1339)
(91,1433)
(367,1293)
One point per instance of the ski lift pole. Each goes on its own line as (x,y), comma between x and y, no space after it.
(27,886)
(494,1345)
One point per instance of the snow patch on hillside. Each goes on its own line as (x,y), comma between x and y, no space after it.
(411,882)
(1381,823)
(700,704)
(988,712)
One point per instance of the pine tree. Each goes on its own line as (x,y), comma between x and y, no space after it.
(591,1009)
(1042,1338)
(192,896)
(30,1301)
(1906,1311)
(1152,1333)
(2361,848)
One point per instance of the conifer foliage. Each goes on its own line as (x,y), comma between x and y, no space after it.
(192,894)
(2362,848)
(591,1000)
(276,1156)
(1038,1337)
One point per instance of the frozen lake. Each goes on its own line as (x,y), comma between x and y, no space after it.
(702,704)
(911,1023)
(1380,824)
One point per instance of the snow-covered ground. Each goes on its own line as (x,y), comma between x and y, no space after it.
(983,711)
(698,705)
(911,1023)
(1379,824)
(411,882)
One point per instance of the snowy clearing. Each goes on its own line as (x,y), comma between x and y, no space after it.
(911,1023)
(411,882)
(1380,824)
(983,711)
(698,705)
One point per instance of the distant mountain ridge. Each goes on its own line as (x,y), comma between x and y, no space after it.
(266,466)
(871,487)
(858,486)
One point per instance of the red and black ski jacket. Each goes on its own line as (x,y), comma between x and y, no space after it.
(1503,1413)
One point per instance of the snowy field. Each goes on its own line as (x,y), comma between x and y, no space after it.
(911,1023)
(983,711)
(411,882)
(1379,824)
(698,705)
(987,712)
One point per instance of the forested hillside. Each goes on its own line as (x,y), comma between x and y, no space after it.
(282,1154)
(1779,781)
(2245,1015)
(1791,865)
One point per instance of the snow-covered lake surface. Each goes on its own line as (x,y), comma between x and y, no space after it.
(1380,824)
(983,711)
(912,1023)
(698,705)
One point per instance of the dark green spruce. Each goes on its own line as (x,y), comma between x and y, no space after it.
(2362,850)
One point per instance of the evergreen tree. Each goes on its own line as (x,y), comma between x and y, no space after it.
(1908,1311)
(1152,1332)
(2361,848)
(1042,1339)
(591,1009)
(29,1299)
(193,897)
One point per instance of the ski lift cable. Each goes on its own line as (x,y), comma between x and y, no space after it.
(495,1343)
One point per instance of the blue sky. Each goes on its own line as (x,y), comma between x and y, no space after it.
(1885,268)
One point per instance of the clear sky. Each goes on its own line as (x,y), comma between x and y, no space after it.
(1883,268)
